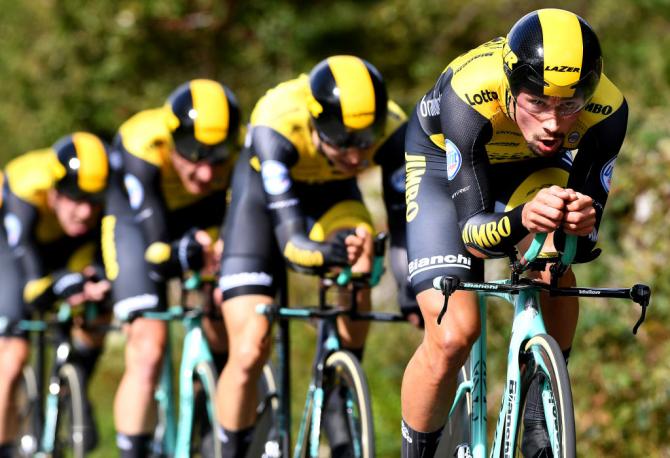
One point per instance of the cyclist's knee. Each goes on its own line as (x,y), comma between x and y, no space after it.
(13,356)
(247,359)
(451,348)
(144,357)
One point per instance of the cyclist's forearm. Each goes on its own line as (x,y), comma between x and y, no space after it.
(494,234)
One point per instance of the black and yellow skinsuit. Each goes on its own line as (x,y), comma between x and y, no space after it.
(43,258)
(470,171)
(287,198)
(149,211)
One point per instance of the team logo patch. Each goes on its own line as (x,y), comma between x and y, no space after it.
(454,159)
(398,179)
(135,191)
(13,228)
(573,137)
(606,174)
(276,179)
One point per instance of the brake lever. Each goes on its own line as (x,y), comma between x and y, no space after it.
(641,294)
(447,285)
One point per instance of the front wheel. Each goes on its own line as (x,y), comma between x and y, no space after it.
(347,410)
(204,441)
(70,426)
(27,413)
(553,426)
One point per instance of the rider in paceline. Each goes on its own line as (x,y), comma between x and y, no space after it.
(296,201)
(518,136)
(50,251)
(170,172)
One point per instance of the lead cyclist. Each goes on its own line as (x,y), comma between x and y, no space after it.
(518,136)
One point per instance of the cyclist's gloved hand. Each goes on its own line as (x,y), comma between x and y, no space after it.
(335,250)
(67,284)
(188,251)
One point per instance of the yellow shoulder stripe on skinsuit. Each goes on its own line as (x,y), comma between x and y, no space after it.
(562,42)
(211,105)
(35,288)
(357,94)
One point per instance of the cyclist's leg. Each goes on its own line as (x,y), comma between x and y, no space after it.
(249,269)
(133,291)
(560,313)
(434,248)
(13,355)
(14,347)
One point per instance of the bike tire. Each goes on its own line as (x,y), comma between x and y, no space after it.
(70,422)
(457,430)
(203,432)
(343,371)
(552,370)
(27,418)
(266,440)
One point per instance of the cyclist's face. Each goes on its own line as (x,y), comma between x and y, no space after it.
(545,121)
(197,177)
(346,160)
(76,217)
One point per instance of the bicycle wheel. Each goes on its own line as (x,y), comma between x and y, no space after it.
(203,435)
(27,408)
(543,363)
(349,433)
(265,443)
(70,427)
(457,430)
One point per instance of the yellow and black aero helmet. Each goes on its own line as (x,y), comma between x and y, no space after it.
(553,52)
(348,103)
(204,119)
(82,167)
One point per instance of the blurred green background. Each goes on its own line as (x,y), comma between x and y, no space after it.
(89,64)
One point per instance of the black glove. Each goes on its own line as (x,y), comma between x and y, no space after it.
(335,250)
(67,284)
(187,252)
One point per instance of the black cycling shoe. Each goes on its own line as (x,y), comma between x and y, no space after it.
(336,425)
(535,442)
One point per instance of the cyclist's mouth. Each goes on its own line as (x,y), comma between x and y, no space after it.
(549,145)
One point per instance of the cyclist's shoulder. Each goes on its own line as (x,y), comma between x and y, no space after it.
(606,101)
(477,78)
(146,136)
(30,175)
(284,107)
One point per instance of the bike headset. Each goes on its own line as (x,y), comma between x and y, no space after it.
(348,102)
(82,167)
(204,119)
(555,53)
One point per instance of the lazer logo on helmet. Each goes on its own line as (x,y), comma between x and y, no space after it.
(484,96)
(562,69)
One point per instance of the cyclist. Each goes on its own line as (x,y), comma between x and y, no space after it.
(295,201)
(171,168)
(50,250)
(490,161)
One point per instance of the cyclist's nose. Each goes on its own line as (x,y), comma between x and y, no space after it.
(204,172)
(550,123)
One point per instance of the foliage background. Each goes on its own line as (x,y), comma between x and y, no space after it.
(87,65)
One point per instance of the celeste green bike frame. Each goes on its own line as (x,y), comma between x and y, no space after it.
(527,323)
